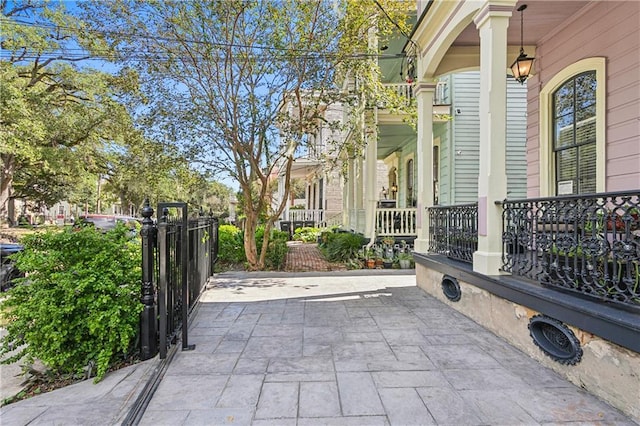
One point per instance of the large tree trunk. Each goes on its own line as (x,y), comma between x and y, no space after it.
(250,247)
(6,180)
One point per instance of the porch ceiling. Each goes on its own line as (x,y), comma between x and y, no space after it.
(542,19)
(393,137)
(302,168)
(390,64)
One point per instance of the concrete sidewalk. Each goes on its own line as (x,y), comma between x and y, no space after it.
(338,348)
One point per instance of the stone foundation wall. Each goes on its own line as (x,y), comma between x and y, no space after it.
(606,370)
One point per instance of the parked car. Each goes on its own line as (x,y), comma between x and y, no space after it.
(106,222)
(8,270)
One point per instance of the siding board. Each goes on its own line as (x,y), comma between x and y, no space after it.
(611,30)
(466,140)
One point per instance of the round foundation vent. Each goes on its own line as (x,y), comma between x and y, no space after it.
(555,339)
(451,288)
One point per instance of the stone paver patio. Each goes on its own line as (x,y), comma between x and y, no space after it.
(345,349)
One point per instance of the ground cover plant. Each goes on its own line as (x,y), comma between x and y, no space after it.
(307,234)
(341,246)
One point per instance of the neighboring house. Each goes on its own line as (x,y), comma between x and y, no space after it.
(322,200)
(555,269)
(389,205)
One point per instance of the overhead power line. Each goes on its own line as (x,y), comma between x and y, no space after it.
(292,53)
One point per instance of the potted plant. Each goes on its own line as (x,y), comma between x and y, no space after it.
(388,241)
(369,258)
(404,259)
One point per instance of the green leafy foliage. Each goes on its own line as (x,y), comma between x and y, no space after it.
(340,247)
(307,234)
(277,251)
(78,305)
(230,245)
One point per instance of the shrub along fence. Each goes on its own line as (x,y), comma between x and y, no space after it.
(178,254)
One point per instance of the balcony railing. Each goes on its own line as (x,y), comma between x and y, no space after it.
(588,244)
(396,221)
(405,90)
(306,215)
(453,231)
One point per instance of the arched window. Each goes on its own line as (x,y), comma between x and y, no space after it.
(574,134)
(572,130)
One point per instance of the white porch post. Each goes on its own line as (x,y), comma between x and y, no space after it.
(371,179)
(359,193)
(359,183)
(424,157)
(350,199)
(492,23)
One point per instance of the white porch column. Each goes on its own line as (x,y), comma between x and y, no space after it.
(359,194)
(492,23)
(350,199)
(359,182)
(424,156)
(371,179)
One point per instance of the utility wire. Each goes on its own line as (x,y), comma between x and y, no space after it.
(294,53)
(395,24)
(391,20)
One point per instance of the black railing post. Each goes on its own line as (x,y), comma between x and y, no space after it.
(148,335)
(164,274)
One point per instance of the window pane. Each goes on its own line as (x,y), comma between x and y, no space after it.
(564,131)
(587,168)
(586,113)
(585,90)
(566,164)
(563,99)
(586,131)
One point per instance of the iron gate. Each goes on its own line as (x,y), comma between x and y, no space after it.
(178,254)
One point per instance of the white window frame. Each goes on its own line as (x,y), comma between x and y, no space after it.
(547,158)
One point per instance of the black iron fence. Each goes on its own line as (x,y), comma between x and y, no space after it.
(588,244)
(453,231)
(178,258)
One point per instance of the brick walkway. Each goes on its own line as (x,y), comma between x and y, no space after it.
(303,257)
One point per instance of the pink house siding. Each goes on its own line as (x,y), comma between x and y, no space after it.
(607,29)
(533,154)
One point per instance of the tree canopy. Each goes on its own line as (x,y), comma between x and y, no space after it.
(240,84)
(64,126)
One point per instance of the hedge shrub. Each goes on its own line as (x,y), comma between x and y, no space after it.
(230,245)
(78,306)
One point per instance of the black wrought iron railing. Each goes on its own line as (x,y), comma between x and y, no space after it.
(588,244)
(178,255)
(453,231)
